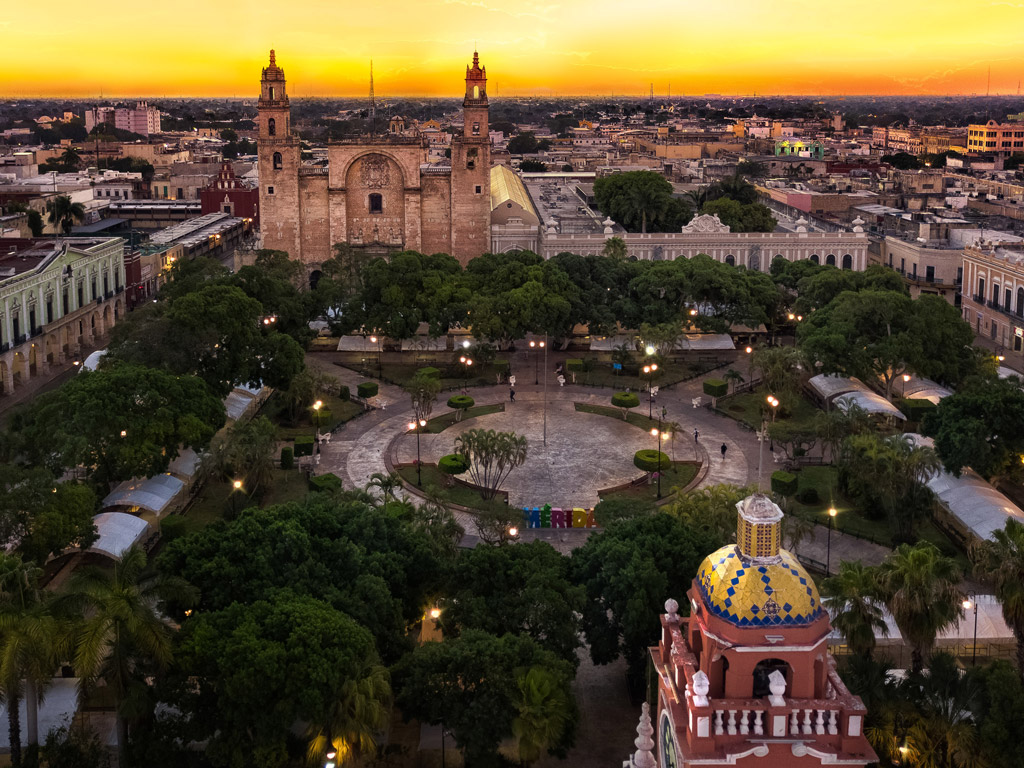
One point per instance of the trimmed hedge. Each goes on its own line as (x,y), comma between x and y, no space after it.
(574,364)
(328,482)
(367,389)
(287,457)
(784,483)
(625,400)
(650,460)
(453,464)
(916,409)
(344,393)
(430,372)
(716,387)
(325,418)
(462,402)
(304,445)
(173,527)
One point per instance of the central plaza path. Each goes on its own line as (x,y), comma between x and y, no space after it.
(584,452)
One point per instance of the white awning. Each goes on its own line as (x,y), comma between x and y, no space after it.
(829,385)
(358,344)
(922,389)
(185,465)
(93,360)
(152,493)
(870,402)
(425,344)
(237,403)
(706,342)
(118,531)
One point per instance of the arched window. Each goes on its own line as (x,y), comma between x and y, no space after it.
(815,259)
(471,156)
(830,260)
(376,203)
(271,93)
(476,91)
(754,263)
(277,161)
(1020,302)
(271,126)
(730,260)
(763,671)
(314,278)
(847,261)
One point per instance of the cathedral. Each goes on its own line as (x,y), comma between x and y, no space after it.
(378,192)
(747,678)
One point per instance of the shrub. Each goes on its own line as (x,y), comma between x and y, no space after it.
(716,387)
(808,496)
(650,460)
(574,364)
(287,457)
(304,445)
(625,401)
(173,527)
(783,483)
(328,482)
(367,389)
(344,393)
(462,402)
(429,371)
(916,409)
(453,464)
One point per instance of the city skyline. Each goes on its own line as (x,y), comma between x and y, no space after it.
(738,48)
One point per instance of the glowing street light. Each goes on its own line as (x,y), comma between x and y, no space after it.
(656,432)
(906,378)
(649,371)
(375,340)
(513,531)
(124,433)
(832,512)
(968,604)
(413,428)
(435,613)
(536,367)
(316,408)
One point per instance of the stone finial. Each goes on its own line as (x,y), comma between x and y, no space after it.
(801,224)
(858,224)
(777,686)
(273,58)
(644,755)
(672,609)
(701,689)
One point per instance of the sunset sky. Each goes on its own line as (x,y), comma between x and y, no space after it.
(216,47)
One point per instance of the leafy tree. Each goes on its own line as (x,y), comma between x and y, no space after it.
(531,584)
(615,248)
(359,711)
(533,166)
(711,510)
(835,425)
(64,213)
(119,422)
(1000,561)
(524,143)
(780,370)
(70,157)
(734,187)
(610,510)
(852,598)
(545,713)
(921,589)
(74,746)
(121,636)
(640,201)
(469,684)
(423,391)
(251,448)
(980,426)
(749,217)
(34,218)
(228,135)
(273,281)
(492,456)
(628,571)
(902,161)
(63,520)
(999,708)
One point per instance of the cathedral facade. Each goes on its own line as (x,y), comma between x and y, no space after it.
(377,192)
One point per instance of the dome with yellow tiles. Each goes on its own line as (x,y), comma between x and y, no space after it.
(756,583)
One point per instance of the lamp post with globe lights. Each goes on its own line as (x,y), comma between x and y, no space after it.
(832,512)
(417,426)
(538,345)
(466,363)
(903,390)
(658,433)
(380,366)
(649,371)
(968,604)
(316,409)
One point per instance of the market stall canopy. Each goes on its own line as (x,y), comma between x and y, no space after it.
(152,493)
(118,531)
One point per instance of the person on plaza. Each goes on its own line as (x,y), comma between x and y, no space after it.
(696,435)
(724,449)
(511,394)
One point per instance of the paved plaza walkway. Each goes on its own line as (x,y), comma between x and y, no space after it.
(583,453)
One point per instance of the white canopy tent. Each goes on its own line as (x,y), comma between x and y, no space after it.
(155,494)
(923,389)
(237,403)
(706,342)
(828,386)
(870,402)
(185,464)
(92,362)
(425,344)
(358,344)
(56,710)
(118,531)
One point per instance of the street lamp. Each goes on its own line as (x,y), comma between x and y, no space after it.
(330,755)
(750,365)
(413,428)
(466,362)
(903,391)
(236,488)
(649,372)
(124,433)
(656,432)
(536,359)
(774,403)
(316,409)
(380,365)
(828,549)
(513,531)
(968,604)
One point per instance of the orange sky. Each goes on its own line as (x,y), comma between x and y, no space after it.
(216,47)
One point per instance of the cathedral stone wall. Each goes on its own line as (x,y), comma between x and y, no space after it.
(315,235)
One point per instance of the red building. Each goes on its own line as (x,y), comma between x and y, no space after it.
(747,679)
(229,195)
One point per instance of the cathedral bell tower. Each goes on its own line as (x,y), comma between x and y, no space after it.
(279,159)
(471,170)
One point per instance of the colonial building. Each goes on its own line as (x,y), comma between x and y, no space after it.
(747,679)
(993,295)
(378,192)
(227,194)
(56,298)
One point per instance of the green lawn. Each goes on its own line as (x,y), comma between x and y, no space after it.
(676,477)
(441,423)
(601,374)
(636,416)
(452,376)
(849,518)
(214,500)
(456,494)
(749,407)
(340,412)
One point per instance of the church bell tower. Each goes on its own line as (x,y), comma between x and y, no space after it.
(279,158)
(471,170)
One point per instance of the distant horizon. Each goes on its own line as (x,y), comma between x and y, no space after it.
(737,48)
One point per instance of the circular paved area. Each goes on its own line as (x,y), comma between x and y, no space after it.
(584,452)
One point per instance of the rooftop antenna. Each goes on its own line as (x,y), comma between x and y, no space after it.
(373,103)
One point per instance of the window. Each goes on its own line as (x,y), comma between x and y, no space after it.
(730,260)
(830,260)
(476,91)
(181,193)
(995,294)
(277,161)
(49,309)
(476,129)
(848,262)
(479,189)
(1020,302)
(981,289)
(471,156)
(376,203)
(270,190)
(227,208)
(815,259)
(271,90)
(1006,303)
(272,123)
(929,274)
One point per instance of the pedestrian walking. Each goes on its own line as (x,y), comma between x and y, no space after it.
(511,394)
(724,449)
(696,435)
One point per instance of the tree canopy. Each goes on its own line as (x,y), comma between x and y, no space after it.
(641,201)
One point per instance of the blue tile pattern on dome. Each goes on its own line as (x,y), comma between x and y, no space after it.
(749,595)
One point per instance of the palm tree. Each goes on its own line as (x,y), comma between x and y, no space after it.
(251,451)
(851,597)
(920,587)
(70,157)
(31,642)
(386,483)
(65,213)
(697,198)
(544,712)
(354,718)
(121,635)
(1000,561)
(734,376)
